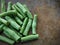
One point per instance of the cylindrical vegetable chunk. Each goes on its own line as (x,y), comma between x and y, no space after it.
(29,37)
(11,33)
(3,9)
(24,25)
(15,31)
(19,15)
(7,40)
(1,26)
(5,33)
(12,23)
(28,12)
(21,7)
(11,12)
(18,20)
(9,6)
(0,22)
(27,27)
(34,24)
(3,21)
(18,10)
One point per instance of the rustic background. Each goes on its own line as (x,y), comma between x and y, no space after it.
(48,26)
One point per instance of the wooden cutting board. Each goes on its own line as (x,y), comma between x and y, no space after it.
(48,26)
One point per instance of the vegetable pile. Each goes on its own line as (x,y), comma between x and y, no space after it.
(16,22)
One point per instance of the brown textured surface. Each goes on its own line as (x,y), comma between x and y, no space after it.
(48,26)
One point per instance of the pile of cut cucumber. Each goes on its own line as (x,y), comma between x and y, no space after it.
(16,21)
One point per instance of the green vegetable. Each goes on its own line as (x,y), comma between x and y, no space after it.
(15,31)
(11,33)
(21,7)
(20,16)
(27,27)
(24,25)
(7,40)
(34,24)
(3,9)
(28,12)
(0,23)
(5,33)
(19,12)
(29,37)
(3,21)
(18,20)
(1,26)
(10,36)
(8,13)
(12,22)
(9,6)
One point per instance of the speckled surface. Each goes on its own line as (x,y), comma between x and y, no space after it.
(48,26)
